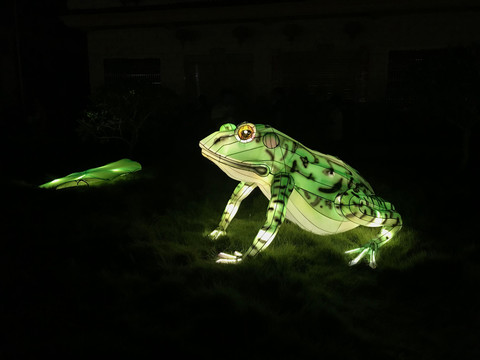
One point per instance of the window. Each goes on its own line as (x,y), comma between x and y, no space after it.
(212,74)
(127,72)
(413,74)
(330,72)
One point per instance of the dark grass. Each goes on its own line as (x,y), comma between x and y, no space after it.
(128,270)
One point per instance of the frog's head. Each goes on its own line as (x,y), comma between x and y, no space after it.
(245,152)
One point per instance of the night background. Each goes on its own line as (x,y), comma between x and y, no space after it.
(392,88)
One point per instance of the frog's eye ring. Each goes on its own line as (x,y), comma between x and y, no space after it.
(245,132)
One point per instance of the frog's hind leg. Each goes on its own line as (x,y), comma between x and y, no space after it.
(371,211)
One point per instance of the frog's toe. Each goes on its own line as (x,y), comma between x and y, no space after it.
(369,250)
(215,234)
(372,263)
(359,257)
(224,258)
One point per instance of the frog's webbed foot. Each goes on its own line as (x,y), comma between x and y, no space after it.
(218,232)
(370,250)
(224,258)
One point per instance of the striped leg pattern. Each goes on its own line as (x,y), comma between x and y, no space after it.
(241,192)
(371,211)
(281,189)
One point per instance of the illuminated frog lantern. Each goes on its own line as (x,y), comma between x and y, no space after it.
(318,192)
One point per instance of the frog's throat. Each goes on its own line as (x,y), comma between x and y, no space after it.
(261,170)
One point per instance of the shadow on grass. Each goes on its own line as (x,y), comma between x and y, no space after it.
(128,270)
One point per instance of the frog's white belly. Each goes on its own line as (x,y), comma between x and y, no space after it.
(301,213)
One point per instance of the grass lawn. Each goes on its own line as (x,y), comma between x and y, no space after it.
(128,270)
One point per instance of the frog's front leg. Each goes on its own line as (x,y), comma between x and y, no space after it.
(371,211)
(281,188)
(242,190)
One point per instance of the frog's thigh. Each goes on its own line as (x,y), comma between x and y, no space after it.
(300,212)
(370,211)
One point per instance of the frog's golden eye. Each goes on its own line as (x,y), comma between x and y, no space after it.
(245,132)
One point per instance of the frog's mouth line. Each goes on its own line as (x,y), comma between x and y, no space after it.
(260,170)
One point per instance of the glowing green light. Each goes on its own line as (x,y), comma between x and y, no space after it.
(318,192)
(95,176)
(227,127)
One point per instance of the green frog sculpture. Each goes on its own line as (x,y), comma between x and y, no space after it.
(317,192)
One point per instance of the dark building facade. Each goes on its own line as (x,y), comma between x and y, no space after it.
(253,47)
